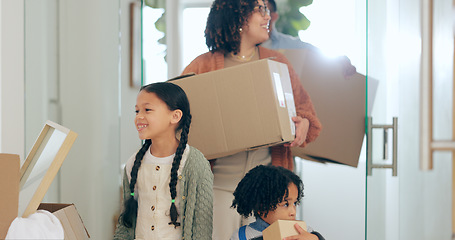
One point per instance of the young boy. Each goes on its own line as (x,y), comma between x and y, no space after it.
(269,193)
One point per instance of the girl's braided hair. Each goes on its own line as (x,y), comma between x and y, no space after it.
(263,188)
(175,98)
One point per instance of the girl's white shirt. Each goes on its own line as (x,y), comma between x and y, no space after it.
(154,197)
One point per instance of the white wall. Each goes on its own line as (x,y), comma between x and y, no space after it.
(130,142)
(96,99)
(98,104)
(77,74)
(12,77)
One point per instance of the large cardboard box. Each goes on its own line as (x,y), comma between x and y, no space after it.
(9,190)
(281,229)
(340,106)
(240,108)
(72,224)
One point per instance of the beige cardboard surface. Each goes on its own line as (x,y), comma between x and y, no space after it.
(239,108)
(69,217)
(281,229)
(340,106)
(9,190)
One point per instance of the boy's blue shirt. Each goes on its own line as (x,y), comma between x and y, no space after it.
(259,225)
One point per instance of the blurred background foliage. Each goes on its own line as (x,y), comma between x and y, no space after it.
(160,24)
(291,20)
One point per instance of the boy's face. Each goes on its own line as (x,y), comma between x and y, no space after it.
(285,210)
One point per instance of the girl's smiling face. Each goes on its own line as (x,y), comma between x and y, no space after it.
(286,209)
(153,117)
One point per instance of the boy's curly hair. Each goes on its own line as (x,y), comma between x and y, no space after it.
(263,188)
(225,19)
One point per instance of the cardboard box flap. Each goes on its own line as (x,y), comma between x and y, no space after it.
(53,207)
(70,219)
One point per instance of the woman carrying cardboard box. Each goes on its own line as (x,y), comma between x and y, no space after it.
(234,30)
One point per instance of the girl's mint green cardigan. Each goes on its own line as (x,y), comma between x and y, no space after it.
(196,208)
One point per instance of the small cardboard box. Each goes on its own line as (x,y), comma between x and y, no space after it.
(240,108)
(281,229)
(9,190)
(340,105)
(69,217)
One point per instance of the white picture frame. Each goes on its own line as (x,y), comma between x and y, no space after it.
(42,165)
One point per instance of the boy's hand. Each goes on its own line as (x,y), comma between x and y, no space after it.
(303,235)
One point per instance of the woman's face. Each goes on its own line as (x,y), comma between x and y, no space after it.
(256,30)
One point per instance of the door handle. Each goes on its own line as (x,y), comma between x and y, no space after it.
(394,164)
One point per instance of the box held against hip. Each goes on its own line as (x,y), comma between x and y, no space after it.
(340,103)
(240,108)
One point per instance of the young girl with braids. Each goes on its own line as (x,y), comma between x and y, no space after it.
(270,193)
(167,185)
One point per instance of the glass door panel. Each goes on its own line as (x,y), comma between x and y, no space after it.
(335,193)
(382,188)
(415,204)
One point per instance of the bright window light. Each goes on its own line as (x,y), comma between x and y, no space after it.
(153,53)
(194,22)
(333,27)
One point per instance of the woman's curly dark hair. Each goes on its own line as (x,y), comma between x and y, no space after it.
(225,19)
(263,188)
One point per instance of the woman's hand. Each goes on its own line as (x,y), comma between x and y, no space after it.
(301,130)
(303,235)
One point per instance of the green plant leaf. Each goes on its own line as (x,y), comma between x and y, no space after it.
(291,20)
(160,24)
(155,3)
